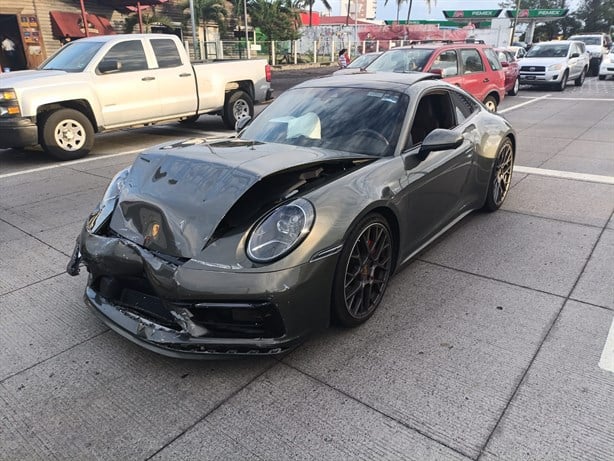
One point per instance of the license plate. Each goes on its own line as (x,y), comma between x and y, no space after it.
(529,77)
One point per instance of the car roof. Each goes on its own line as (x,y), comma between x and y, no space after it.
(394,81)
(556,42)
(433,45)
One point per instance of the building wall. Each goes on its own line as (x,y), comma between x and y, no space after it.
(367,9)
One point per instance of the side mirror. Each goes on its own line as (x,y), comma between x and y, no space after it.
(242,123)
(436,140)
(575,55)
(108,65)
(505,64)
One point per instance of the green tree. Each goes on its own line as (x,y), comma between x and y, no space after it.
(597,15)
(148,17)
(276,18)
(205,12)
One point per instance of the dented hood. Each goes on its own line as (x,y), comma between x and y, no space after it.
(176,195)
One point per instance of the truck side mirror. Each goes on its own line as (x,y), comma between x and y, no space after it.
(108,65)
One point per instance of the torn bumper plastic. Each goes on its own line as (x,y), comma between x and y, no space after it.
(182,310)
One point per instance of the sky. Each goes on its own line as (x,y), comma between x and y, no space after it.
(419,10)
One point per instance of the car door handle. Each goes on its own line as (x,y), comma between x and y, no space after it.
(486,80)
(185,75)
(147,79)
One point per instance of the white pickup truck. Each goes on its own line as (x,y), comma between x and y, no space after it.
(117,81)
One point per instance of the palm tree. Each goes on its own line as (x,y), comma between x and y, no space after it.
(208,11)
(398,7)
(428,4)
(309,3)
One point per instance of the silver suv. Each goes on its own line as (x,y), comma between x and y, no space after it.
(597,46)
(554,63)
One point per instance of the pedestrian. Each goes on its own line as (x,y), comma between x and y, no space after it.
(66,39)
(344,58)
(8,49)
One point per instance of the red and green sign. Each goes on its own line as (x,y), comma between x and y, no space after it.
(537,14)
(471,14)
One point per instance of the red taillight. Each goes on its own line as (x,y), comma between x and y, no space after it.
(267,72)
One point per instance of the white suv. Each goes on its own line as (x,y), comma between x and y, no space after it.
(553,63)
(597,46)
(607,65)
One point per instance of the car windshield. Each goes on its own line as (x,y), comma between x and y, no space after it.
(360,120)
(548,51)
(73,57)
(363,61)
(587,39)
(402,60)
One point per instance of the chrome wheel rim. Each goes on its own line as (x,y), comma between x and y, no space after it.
(503,174)
(69,135)
(368,270)
(240,109)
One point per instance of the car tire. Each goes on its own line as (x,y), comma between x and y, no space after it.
(491,103)
(602,77)
(501,176)
(237,106)
(580,80)
(66,134)
(363,271)
(515,88)
(563,83)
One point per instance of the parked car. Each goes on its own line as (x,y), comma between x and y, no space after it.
(247,245)
(607,65)
(360,62)
(471,66)
(512,70)
(118,81)
(597,45)
(554,63)
(517,51)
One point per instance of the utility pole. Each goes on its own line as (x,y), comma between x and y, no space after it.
(515,21)
(246,32)
(196,50)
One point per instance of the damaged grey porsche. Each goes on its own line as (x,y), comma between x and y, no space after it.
(247,245)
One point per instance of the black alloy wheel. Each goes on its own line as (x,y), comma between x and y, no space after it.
(501,177)
(363,271)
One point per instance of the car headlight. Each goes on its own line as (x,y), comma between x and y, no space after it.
(105,208)
(9,105)
(555,67)
(8,94)
(280,231)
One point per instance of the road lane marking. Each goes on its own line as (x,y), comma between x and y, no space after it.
(63,164)
(565,174)
(554,98)
(503,111)
(607,356)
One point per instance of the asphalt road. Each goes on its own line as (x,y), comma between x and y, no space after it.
(495,343)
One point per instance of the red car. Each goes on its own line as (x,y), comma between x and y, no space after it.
(511,69)
(473,66)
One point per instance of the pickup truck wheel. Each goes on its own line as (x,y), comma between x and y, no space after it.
(491,103)
(563,83)
(580,80)
(67,134)
(238,105)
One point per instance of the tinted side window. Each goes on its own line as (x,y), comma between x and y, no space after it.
(447,62)
(492,59)
(166,53)
(463,106)
(130,56)
(471,61)
(433,111)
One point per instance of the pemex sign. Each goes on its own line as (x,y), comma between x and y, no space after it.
(550,13)
(471,14)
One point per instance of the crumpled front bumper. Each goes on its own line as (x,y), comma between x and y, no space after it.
(189,311)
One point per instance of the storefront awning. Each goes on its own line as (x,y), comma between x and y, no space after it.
(71,24)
